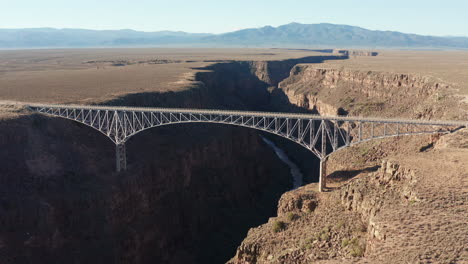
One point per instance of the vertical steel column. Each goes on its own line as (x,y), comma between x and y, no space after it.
(323,160)
(323,174)
(120,157)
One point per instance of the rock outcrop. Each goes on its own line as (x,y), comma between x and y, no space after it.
(313,103)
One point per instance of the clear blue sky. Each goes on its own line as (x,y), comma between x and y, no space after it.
(429,17)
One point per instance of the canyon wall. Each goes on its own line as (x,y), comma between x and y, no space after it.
(251,84)
(273,72)
(341,91)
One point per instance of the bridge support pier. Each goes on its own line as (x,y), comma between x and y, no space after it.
(323,174)
(120,157)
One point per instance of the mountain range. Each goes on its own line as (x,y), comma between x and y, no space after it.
(290,35)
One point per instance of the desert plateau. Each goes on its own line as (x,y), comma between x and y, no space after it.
(184,199)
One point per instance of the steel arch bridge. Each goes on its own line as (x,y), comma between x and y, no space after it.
(310,131)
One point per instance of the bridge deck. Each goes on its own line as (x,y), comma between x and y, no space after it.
(257,114)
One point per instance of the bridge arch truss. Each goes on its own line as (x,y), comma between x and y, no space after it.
(322,135)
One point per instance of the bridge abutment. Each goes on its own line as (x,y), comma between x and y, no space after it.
(120,157)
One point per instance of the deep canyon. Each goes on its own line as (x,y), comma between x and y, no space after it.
(189,196)
(191,192)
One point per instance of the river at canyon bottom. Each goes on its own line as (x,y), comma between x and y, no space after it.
(296,174)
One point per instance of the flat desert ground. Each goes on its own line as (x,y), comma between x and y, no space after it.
(80,76)
(96,75)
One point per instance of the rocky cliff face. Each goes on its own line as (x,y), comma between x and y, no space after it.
(313,103)
(340,91)
(371,84)
(273,72)
(368,195)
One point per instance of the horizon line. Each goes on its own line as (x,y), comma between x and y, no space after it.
(187,32)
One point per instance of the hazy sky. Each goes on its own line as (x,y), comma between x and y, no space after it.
(430,17)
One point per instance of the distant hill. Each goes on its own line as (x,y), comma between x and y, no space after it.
(68,38)
(290,35)
(334,35)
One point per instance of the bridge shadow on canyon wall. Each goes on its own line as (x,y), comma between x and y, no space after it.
(346,175)
(191,191)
